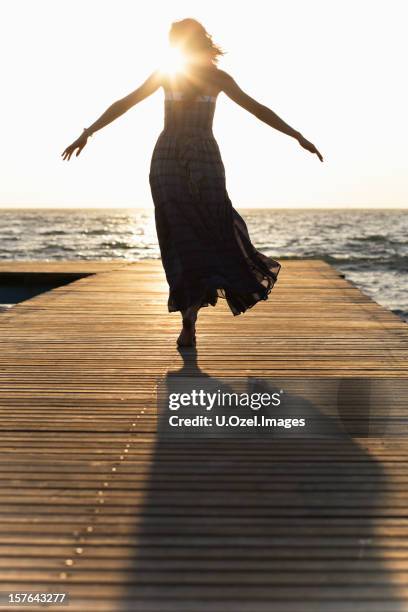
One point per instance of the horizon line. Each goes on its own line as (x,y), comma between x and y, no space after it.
(334,207)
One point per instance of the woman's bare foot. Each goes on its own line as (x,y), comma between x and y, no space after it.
(187,335)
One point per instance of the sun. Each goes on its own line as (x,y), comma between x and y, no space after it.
(173,62)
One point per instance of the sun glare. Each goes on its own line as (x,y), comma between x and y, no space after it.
(174,61)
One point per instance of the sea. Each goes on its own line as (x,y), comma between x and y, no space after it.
(370,247)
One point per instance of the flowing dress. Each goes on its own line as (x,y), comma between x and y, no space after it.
(204,243)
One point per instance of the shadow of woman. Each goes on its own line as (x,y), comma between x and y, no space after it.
(262,523)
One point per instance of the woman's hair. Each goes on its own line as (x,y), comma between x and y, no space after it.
(192,37)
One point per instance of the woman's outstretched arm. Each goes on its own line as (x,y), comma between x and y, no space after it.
(114,111)
(265,114)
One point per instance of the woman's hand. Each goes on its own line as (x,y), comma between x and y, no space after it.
(309,146)
(79,144)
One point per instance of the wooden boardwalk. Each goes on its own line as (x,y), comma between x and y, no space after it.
(95,504)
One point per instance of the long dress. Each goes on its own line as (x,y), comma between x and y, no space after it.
(204,243)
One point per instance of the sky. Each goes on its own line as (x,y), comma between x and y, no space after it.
(333,69)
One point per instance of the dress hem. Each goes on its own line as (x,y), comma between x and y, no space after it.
(238,302)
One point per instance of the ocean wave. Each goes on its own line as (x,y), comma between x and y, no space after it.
(389,263)
(95,232)
(372,238)
(10,238)
(117,245)
(55,247)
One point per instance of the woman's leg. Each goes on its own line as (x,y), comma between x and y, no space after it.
(189,318)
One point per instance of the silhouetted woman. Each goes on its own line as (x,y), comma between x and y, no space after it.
(204,243)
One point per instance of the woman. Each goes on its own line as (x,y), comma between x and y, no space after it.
(204,243)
